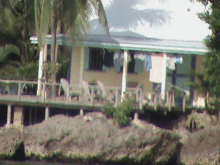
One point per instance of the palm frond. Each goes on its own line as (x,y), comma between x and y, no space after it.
(6,50)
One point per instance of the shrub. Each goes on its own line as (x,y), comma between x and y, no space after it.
(121,114)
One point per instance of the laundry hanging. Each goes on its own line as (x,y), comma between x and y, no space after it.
(172,60)
(157,67)
(148,62)
(119,56)
(140,56)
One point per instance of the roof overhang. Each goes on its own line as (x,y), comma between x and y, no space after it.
(132,43)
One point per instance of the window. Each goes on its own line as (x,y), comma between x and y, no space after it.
(95,59)
(131,64)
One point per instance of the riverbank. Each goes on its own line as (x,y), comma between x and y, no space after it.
(95,139)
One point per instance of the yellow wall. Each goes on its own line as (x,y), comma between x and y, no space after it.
(75,66)
(198,69)
(110,78)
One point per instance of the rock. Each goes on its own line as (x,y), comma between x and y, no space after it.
(11,139)
(202,147)
(197,121)
(63,137)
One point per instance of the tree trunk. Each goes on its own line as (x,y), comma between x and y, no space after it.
(58,31)
(52,55)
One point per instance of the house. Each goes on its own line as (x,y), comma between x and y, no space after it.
(96,57)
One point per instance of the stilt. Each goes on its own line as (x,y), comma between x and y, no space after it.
(9,115)
(18,116)
(81,112)
(35,116)
(135,115)
(67,112)
(47,112)
(30,116)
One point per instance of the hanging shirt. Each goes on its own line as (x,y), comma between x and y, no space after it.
(171,60)
(140,56)
(119,56)
(179,60)
(148,64)
(108,58)
(157,67)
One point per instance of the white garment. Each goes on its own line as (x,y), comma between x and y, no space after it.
(140,56)
(120,57)
(157,67)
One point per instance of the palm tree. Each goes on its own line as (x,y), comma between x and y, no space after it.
(16,27)
(74,15)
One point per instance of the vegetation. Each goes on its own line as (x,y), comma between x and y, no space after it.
(122,114)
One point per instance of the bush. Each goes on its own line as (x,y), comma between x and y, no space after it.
(109,110)
(121,114)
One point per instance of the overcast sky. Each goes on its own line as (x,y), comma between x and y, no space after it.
(182,24)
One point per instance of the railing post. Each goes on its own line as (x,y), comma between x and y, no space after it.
(155,100)
(92,96)
(116,97)
(68,94)
(141,100)
(169,101)
(184,102)
(43,96)
(19,91)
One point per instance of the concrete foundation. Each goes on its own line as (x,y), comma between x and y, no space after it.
(18,116)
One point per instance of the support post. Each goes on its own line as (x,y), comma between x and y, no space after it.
(35,116)
(82,55)
(124,75)
(135,115)
(30,116)
(18,115)
(40,72)
(164,71)
(19,91)
(67,112)
(44,92)
(155,100)
(184,102)
(9,115)
(92,96)
(169,101)
(81,112)
(116,97)
(141,100)
(47,112)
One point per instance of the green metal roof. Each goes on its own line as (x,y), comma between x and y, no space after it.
(133,41)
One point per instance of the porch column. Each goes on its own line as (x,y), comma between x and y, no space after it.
(82,55)
(40,71)
(124,75)
(9,115)
(164,71)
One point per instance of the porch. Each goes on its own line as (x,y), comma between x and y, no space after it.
(25,92)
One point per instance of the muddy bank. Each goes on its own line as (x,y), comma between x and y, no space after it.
(91,138)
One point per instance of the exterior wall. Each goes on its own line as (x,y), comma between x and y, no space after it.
(198,99)
(112,78)
(109,78)
(75,66)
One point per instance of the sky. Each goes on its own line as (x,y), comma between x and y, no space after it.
(182,25)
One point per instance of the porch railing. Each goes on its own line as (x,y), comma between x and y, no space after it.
(12,90)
